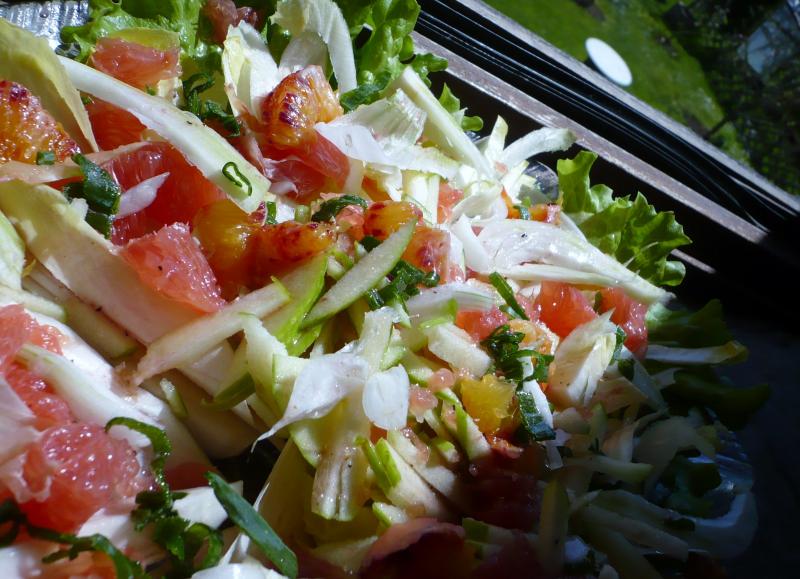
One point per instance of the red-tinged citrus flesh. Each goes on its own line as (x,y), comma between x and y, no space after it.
(479,323)
(179,199)
(82,466)
(385,217)
(517,558)
(421,547)
(327,159)
(17,328)
(448,198)
(188,475)
(546,212)
(113,126)
(279,248)
(171,262)
(429,250)
(27,129)
(306,180)
(563,307)
(138,65)
(87,470)
(504,498)
(300,101)
(629,315)
(224,13)
(351,220)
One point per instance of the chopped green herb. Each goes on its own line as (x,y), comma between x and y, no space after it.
(541,365)
(404,281)
(207,109)
(532,420)
(182,539)
(369,243)
(69,50)
(272,213)
(621,336)
(505,291)
(524,212)
(12,517)
(100,191)
(331,208)
(45,158)
(254,526)
(302,213)
(503,346)
(233,174)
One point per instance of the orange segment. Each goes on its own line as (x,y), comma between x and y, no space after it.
(489,401)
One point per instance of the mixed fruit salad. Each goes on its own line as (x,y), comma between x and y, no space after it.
(226,227)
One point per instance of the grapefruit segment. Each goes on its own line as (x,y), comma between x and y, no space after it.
(86,470)
(50,410)
(171,262)
(112,126)
(138,65)
(179,198)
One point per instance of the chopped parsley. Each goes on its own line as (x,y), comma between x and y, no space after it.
(271,213)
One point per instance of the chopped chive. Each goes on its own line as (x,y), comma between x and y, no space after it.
(254,526)
(505,291)
(272,213)
(45,158)
(233,174)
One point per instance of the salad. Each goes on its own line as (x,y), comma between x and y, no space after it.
(226,227)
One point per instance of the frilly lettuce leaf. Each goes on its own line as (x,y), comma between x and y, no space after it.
(108,16)
(389,47)
(630,230)
(734,406)
(687,329)
(453,105)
